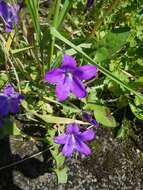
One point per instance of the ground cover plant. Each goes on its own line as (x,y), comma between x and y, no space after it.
(71,67)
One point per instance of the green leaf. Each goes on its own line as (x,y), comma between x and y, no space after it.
(62,175)
(33,7)
(110,44)
(137,84)
(102,115)
(137,110)
(63,13)
(15,51)
(60,168)
(124,129)
(3,79)
(58,120)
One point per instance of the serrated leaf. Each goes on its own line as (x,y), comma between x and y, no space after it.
(110,44)
(59,158)
(62,175)
(122,132)
(60,168)
(102,115)
(124,129)
(137,111)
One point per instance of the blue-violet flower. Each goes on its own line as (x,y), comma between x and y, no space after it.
(88,117)
(89,3)
(9,14)
(74,140)
(68,78)
(3,109)
(10,102)
(14,98)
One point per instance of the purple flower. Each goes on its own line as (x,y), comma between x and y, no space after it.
(9,102)
(73,140)
(13,99)
(4,106)
(89,3)
(68,78)
(9,14)
(88,117)
(4,109)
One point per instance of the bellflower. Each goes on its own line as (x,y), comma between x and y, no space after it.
(74,140)
(9,14)
(9,102)
(89,3)
(68,78)
(13,99)
(88,117)
(4,106)
(4,110)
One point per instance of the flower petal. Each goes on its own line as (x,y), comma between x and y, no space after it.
(9,15)
(87,116)
(87,135)
(3,10)
(54,76)
(68,60)
(14,105)
(72,128)
(8,90)
(63,88)
(82,147)
(95,123)
(89,3)
(4,106)
(61,139)
(77,88)
(87,72)
(68,147)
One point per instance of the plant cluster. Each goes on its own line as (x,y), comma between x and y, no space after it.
(71,67)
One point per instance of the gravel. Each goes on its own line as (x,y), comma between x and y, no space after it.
(114,165)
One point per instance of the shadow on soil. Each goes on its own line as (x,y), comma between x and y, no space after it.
(31,168)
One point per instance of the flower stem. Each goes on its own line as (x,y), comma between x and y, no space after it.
(55,24)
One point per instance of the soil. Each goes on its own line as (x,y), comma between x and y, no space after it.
(114,165)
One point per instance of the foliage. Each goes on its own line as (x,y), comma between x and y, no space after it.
(108,35)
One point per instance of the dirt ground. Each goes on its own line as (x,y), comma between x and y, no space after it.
(113,165)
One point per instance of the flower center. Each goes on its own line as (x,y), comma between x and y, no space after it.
(68,74)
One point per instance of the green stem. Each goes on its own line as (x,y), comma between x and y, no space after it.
(55,23)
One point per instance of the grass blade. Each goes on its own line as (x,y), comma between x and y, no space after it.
(33,7)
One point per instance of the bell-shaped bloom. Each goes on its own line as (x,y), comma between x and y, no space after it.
(9,14)
(4,109)
(13,98)
(4,106)
(88,117)
(74,140)
(9,102)
(68,78)
(89,3)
